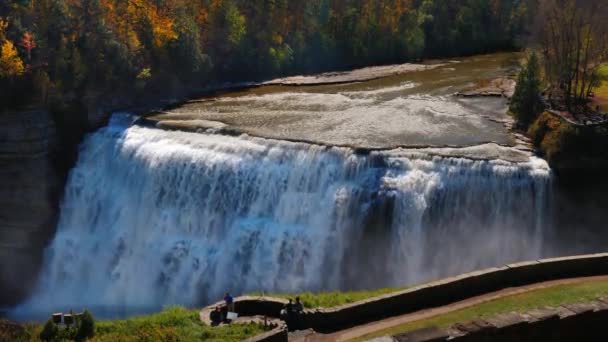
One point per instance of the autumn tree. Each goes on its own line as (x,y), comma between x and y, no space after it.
(574,39)
(144,47)
(11,64)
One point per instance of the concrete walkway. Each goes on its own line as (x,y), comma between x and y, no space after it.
(362,330)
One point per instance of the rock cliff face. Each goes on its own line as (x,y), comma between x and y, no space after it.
(30,187)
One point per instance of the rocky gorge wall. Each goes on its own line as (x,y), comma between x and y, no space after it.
(30,187)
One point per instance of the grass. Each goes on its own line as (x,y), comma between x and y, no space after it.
(172,324)
(554,296)
(331,299)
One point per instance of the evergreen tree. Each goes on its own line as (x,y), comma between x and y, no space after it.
(86,327)
(186,50)
(526,103)
(50,332)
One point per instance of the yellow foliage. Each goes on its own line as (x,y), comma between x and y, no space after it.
(124,17)
(162,27)
(10,62)
(161,22)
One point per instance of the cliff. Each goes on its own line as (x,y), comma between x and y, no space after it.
(30,187)
(575,151)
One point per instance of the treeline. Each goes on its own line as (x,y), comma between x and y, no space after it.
(64,50)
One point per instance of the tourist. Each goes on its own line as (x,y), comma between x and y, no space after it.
(298,306)
(289,307)
(289,314)
(216,317)
(229,302)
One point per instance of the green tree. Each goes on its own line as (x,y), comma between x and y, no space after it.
(50,332)
(186,50)
(526,103)
(86,327)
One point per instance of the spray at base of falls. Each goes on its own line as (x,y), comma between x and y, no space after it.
(153,218)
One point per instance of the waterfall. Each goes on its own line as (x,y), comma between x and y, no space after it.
(153,218)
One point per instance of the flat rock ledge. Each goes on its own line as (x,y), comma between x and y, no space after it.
(499,87)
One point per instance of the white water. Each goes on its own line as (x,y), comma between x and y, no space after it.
(154,217)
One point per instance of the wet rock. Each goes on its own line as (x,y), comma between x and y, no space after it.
(29,189)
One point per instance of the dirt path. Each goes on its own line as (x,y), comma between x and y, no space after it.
(361,330)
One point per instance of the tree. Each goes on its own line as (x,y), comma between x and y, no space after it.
(99,47)
(10,62)
(526,103)
(86,327)
(574,39)
(50,332)
(189,60)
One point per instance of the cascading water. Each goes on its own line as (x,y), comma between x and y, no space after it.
(153,217)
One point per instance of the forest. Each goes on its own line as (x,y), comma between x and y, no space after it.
(59,51)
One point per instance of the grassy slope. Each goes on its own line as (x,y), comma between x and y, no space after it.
(180,324)
(558,295)
(172,324)
(331,299)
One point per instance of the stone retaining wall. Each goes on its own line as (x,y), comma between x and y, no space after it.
(260,308)
(278,334)
(434,294)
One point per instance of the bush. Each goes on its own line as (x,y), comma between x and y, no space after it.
(86,328)
(50,332)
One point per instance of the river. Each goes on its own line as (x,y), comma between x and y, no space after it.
(381,182)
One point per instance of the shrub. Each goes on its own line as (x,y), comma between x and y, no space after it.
(50,332)
(86,328)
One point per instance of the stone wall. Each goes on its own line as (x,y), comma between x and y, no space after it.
(276,335)
(570,322)
(259,309)
(30,188)
(453,289)
(438,293)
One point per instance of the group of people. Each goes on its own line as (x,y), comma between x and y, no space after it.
(220,314)
(291,313)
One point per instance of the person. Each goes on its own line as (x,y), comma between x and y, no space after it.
(216,316)
(229,302)
(289,307)
(298,306)
(289,314)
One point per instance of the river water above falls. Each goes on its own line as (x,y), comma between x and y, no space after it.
(415,108)
(154,217)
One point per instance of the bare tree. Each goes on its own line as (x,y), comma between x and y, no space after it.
(574,42)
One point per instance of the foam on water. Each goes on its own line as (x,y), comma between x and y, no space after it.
(153,217)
